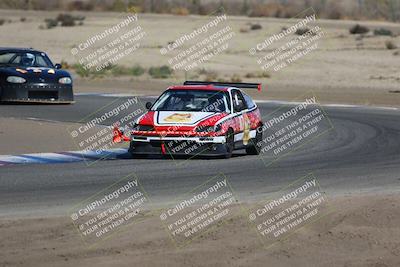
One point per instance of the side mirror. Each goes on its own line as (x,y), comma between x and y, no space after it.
(58,66)
(148,105)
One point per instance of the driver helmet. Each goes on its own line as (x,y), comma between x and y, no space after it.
(27,59)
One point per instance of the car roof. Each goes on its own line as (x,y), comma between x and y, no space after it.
(18,49)
(209,87)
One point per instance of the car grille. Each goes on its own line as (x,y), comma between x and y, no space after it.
(43,94)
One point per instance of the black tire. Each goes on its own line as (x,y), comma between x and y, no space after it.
(230,143)
(253,148)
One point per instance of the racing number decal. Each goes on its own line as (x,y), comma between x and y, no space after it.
(246,129)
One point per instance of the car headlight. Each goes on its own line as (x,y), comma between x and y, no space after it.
(15,79)
(65,80)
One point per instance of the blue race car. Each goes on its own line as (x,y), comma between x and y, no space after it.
(28,75)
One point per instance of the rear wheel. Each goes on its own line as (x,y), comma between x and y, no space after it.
(229,143)
(253,148)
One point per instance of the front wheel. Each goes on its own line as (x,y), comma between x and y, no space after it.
(254,146)
(229,143)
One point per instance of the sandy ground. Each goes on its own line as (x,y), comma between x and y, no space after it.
(343,69)
(362,231)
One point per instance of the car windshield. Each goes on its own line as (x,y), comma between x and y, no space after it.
(192,100)
(25,59)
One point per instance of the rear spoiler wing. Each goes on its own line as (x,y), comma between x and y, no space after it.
(227,84)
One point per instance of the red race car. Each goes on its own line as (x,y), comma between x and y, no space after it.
(198,118)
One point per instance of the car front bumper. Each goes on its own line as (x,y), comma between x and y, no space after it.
(179,146)
(39,93)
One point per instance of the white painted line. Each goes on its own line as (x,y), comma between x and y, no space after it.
(61,157)
(326,105)
(114,95)
(283,102)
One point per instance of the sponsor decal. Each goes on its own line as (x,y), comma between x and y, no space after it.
(246,132)
(21,71)
(186,117)
(36,70)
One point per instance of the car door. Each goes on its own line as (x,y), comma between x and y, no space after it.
(240,108)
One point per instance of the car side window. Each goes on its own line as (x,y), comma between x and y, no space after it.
(40,62)
(238,101)
(5,58)
(249,101)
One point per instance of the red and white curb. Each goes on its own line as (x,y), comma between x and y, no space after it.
(62,157)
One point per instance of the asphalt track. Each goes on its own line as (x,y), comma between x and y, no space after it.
(360,154)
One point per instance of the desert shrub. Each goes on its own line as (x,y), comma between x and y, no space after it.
(51,23)
(266,10)
(202,71)
(2,21)
(334,11)
(265,75)
(358,29)
(119,6)
(390,45)
(22,19)
(255,27)
(236,78)
(66,20)
(134,9)
(209,75)
(79,5)
(180,11)
(137,70)
(81,70)
(162,72)
(125,71)
(206,8)
(302,31)
(258,75)
(383,31)
(65,65)
(79,17)
(273,10)
(120,70)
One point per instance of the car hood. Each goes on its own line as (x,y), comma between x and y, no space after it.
(34,74)
(166,118)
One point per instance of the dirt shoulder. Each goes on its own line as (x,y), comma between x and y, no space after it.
(34,136)
(363,230)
